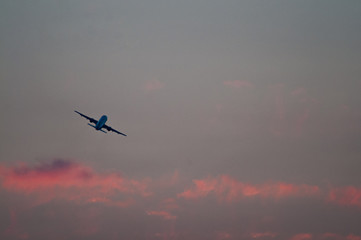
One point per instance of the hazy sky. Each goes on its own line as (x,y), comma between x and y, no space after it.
(243,119)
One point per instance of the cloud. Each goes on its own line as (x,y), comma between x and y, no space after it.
(229,190)
(237,84)
(62,179)
(347,196)
(325,236)
(353,237)
(158,199)
(164,214)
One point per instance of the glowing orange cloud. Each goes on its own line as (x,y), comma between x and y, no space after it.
(229,190)
(71,181)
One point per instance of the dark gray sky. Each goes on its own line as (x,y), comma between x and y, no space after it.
(243,119)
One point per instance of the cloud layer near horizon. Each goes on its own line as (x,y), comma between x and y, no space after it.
(71,181)
(76,183)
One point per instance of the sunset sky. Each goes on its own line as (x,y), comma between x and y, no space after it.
(243,119)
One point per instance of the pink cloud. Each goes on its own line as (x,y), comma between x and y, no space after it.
(353,237)
(347,196)
(237,84)
(67,180)
(202,189)
(335,236)
(153,85)
(164,214)
(228,189)
(70,181)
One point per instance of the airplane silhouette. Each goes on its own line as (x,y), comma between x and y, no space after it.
(100,123)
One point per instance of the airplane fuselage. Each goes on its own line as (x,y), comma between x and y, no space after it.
(101,122)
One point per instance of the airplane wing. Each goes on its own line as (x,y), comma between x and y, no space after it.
(92,120)
(113,130)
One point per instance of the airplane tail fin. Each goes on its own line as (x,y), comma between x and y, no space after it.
(97,129)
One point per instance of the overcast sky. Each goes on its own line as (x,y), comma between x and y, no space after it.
(243,119)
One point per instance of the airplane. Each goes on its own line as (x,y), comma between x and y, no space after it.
(100,124)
